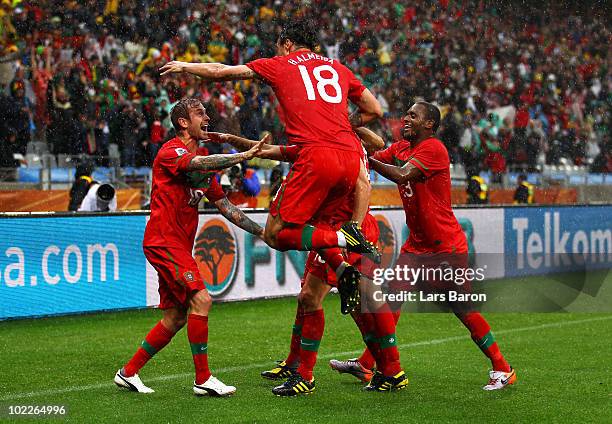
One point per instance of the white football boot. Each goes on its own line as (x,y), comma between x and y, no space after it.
(213,387)
(133,383)
(499,379)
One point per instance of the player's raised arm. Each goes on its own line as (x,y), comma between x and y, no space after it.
(214,162)
(209,71)
(399,175)
(369,110)
(268,151)
(370,141)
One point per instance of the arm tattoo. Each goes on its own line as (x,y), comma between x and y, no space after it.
(237,217)
(239,142)
(207,163)
(356,120)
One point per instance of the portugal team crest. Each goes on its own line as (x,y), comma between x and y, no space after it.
(215,253)
(386,241)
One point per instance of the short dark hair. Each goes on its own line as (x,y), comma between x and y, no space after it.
(301,31)
(181,110)
(432,113)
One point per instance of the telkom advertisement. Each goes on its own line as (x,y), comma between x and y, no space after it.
(554,240)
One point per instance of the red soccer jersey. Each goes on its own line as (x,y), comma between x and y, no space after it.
(175,196)
(313,91)
(427,202)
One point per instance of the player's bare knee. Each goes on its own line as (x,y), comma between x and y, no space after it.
(179,322)
(174,319)
(200,302)
(308,300)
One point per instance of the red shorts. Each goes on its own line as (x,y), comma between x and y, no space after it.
(316,266)
(319,176)
(178,275)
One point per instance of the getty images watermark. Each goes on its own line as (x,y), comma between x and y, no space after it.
(491,282)
(405,283)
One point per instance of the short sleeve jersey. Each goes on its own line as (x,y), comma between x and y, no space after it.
(175,195)
(427,202)
(313,92)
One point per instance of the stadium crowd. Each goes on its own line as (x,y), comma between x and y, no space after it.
(518,85)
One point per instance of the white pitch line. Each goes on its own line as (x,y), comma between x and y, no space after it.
(71,389)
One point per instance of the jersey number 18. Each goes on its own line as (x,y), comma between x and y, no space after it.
(322,82)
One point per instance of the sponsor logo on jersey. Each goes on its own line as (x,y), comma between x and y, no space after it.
(216,256)
(180,151)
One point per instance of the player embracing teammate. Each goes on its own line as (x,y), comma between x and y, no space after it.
(423,180)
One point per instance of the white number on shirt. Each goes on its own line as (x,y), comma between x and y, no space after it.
(321,83)
(406,190)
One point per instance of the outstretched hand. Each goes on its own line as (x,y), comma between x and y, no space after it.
(173,67)
(256,149)
(267,139)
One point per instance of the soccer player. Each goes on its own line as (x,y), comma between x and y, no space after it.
(313,92)
(424,185)
(181,178)
(377,327)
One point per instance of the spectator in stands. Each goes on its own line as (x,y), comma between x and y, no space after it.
(21,114)
(41,75)
(131,129)
(157,134)
(63,132)
(603,161)
(536,63)
(524,192)
(8,148)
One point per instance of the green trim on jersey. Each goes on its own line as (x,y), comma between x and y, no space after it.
(420,163)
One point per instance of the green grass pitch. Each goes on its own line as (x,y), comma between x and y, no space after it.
(562,361)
